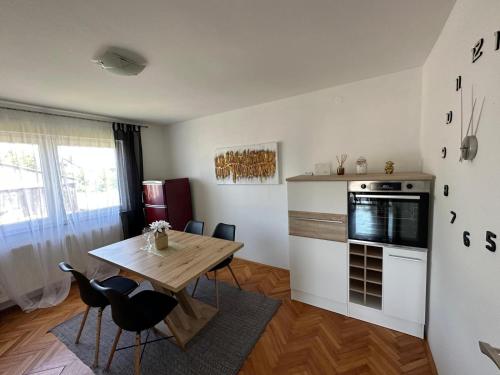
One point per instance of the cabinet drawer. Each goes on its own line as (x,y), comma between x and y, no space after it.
(319,225)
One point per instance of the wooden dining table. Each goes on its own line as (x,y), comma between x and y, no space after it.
(170,271)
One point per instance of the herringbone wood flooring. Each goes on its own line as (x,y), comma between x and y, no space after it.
(300,339)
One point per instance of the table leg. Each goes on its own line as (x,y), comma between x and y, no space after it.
(187,318)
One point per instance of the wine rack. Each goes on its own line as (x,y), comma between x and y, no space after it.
(365,275)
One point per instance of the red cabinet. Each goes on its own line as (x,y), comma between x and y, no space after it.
(168,200)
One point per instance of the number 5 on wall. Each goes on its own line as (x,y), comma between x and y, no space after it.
(490,236)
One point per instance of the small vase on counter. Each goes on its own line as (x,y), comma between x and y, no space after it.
(159,228)
(161,240)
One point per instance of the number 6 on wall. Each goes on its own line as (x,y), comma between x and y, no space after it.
(466,238)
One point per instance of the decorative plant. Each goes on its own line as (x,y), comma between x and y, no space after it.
(341,160)
(159,226)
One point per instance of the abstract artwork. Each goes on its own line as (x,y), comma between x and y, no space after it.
(250,164)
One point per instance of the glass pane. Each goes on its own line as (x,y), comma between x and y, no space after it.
(89,178)
(386,220)
(22,192)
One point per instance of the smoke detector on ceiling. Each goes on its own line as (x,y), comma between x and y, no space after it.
(120,62)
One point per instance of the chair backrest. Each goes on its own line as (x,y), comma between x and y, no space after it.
(194,227)
(125,314)
(225,231)
(88,295)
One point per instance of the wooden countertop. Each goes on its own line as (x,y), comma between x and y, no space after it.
(402,176)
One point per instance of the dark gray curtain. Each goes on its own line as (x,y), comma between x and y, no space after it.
(130,173)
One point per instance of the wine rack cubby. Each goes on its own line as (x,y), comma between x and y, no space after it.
(365,275)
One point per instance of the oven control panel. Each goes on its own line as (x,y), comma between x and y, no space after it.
(390,186)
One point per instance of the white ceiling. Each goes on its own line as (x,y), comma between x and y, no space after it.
(205,56)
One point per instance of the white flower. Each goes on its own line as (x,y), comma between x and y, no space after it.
(160,226)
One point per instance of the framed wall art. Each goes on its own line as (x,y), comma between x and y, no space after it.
(249,164)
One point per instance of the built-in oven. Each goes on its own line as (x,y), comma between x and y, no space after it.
(392,212)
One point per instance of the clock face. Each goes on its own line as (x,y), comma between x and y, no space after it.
(468,149)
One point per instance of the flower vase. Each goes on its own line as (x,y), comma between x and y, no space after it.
(161,240)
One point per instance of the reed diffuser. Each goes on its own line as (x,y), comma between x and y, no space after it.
(341,161)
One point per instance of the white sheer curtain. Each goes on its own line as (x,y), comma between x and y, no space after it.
(59,199)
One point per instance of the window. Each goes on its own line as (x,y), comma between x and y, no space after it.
(22,191)
(52,177)
(88,178)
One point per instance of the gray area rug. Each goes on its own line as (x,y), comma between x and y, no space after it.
(220,348)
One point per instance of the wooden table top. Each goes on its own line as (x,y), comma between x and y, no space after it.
(189,257)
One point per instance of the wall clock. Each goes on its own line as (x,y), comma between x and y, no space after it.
(468,140)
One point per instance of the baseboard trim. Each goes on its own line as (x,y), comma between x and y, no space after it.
(260,264)
(324,303)
(377,317)
(432,364)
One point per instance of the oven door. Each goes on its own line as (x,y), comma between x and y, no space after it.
(399,219)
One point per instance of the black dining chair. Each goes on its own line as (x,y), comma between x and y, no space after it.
(224,232)
(194,227)
(135,314)
(93,298)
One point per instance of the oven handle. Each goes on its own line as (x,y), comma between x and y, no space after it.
(317,220)
(406,197)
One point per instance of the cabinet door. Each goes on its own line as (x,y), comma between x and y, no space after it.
(155,213)
(319,267)
(318,196)
(404,284)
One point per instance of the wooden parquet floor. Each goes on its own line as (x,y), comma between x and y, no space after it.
(300,339)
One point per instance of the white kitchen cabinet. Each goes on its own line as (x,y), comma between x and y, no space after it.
(404,284)
(377,283)
(322,196)
(319,272)
(317,247)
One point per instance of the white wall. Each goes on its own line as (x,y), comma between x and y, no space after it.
(378,118)
(464,297)
(154,152)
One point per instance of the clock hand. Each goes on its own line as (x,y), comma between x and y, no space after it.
(479,118)
(471,117)
(461,115)
(468,128)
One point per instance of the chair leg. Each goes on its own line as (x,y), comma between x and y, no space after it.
(195,285)
(216,290)
(145,343)
(113,348)
(98,337)
(137,354)
(234,276)
(82,324)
